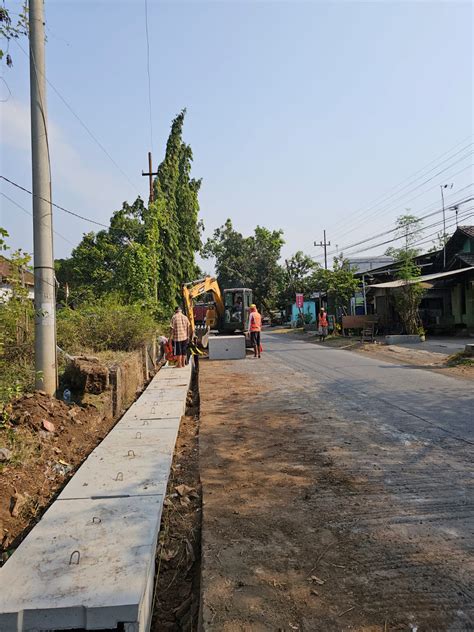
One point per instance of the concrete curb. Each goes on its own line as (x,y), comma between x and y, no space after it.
(90,562)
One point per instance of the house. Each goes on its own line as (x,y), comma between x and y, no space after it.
(365,264)
(8,274)
(448,303)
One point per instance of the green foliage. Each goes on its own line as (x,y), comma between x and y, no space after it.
(103,324)
(407,298)
(247,261)
(16,332)
(295,277)
(339,283)
(147,253)
(10,29)
(439,242)
(410,229)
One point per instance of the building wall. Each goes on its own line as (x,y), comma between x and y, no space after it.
(463,309)
(309,307)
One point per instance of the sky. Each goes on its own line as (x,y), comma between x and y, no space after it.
(302,116)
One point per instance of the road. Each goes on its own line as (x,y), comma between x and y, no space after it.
(361,472)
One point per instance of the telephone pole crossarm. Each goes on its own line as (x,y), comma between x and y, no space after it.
(150,175)
(324,244)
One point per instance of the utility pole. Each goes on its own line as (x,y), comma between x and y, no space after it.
(442,187)
(324,244)
(150,175)
(45,299)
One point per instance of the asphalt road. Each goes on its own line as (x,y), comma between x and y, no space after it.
(428,405)
(401,440)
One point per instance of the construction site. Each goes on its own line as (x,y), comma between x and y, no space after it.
(236,386)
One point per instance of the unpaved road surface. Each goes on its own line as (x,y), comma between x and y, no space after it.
(337,494)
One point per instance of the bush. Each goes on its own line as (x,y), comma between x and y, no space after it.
(104,324)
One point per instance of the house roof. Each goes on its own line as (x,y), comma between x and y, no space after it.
(421,279)
(6,272)
(467,230)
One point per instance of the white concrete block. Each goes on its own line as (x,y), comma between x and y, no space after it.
(227,347)
(118,470)
(47,586)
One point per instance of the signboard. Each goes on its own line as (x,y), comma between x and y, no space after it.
(299,301)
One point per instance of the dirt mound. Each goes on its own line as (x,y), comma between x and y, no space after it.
(45,441)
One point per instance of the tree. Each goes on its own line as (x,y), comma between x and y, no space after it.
(295,277)
(439,242)
(10,30)
(408,296)
(340,284)
(410,229)
(247,261)
(147,252)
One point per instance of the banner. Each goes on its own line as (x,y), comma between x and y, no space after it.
(299,301)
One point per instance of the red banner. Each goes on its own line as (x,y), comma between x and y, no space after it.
(299,301)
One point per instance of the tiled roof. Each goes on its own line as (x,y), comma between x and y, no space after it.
(6,272)
(467,230)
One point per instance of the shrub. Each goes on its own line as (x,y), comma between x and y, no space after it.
(104,324)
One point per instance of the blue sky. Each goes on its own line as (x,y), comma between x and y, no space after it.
(299,114)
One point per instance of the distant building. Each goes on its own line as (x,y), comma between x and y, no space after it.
(365,264)
(7,273)
(448,303)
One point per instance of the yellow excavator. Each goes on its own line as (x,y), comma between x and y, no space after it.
(228,312)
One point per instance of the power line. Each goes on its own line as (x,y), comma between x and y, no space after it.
(88,130)
(391,230)
(379,199)
(148,72)
(383,243)
(433,187)
(31,215)
(390,207)
(61,208)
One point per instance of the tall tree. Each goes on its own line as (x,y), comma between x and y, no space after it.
(146,253)
(247,261)
(408,296)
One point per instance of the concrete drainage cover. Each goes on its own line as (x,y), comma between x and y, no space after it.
(71,560)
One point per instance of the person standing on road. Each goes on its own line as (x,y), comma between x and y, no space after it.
(255,327)
(180,333)
(322,324)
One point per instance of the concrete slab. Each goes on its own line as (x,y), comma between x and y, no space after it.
(156,410)
(137,423)
(226,347)
(396,339)
(146,437)
(87,564)
(115,469)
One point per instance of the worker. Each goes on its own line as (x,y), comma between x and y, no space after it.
(180,334)
(237,310)
(255,327)
(322,324)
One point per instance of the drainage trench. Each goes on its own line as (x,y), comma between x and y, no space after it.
(89,564)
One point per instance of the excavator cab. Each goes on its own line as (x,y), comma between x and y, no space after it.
(237,303)
(228,312)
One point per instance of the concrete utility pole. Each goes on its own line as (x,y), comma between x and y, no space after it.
(150,175)
(45,299)
(442,187)
(324,244)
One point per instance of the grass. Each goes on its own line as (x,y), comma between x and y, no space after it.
(460,359)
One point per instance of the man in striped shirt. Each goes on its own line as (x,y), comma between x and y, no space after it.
(180,333)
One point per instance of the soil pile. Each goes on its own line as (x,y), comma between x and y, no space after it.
(43,443)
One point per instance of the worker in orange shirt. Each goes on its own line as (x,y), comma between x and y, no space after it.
(322,324)
(255,327)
